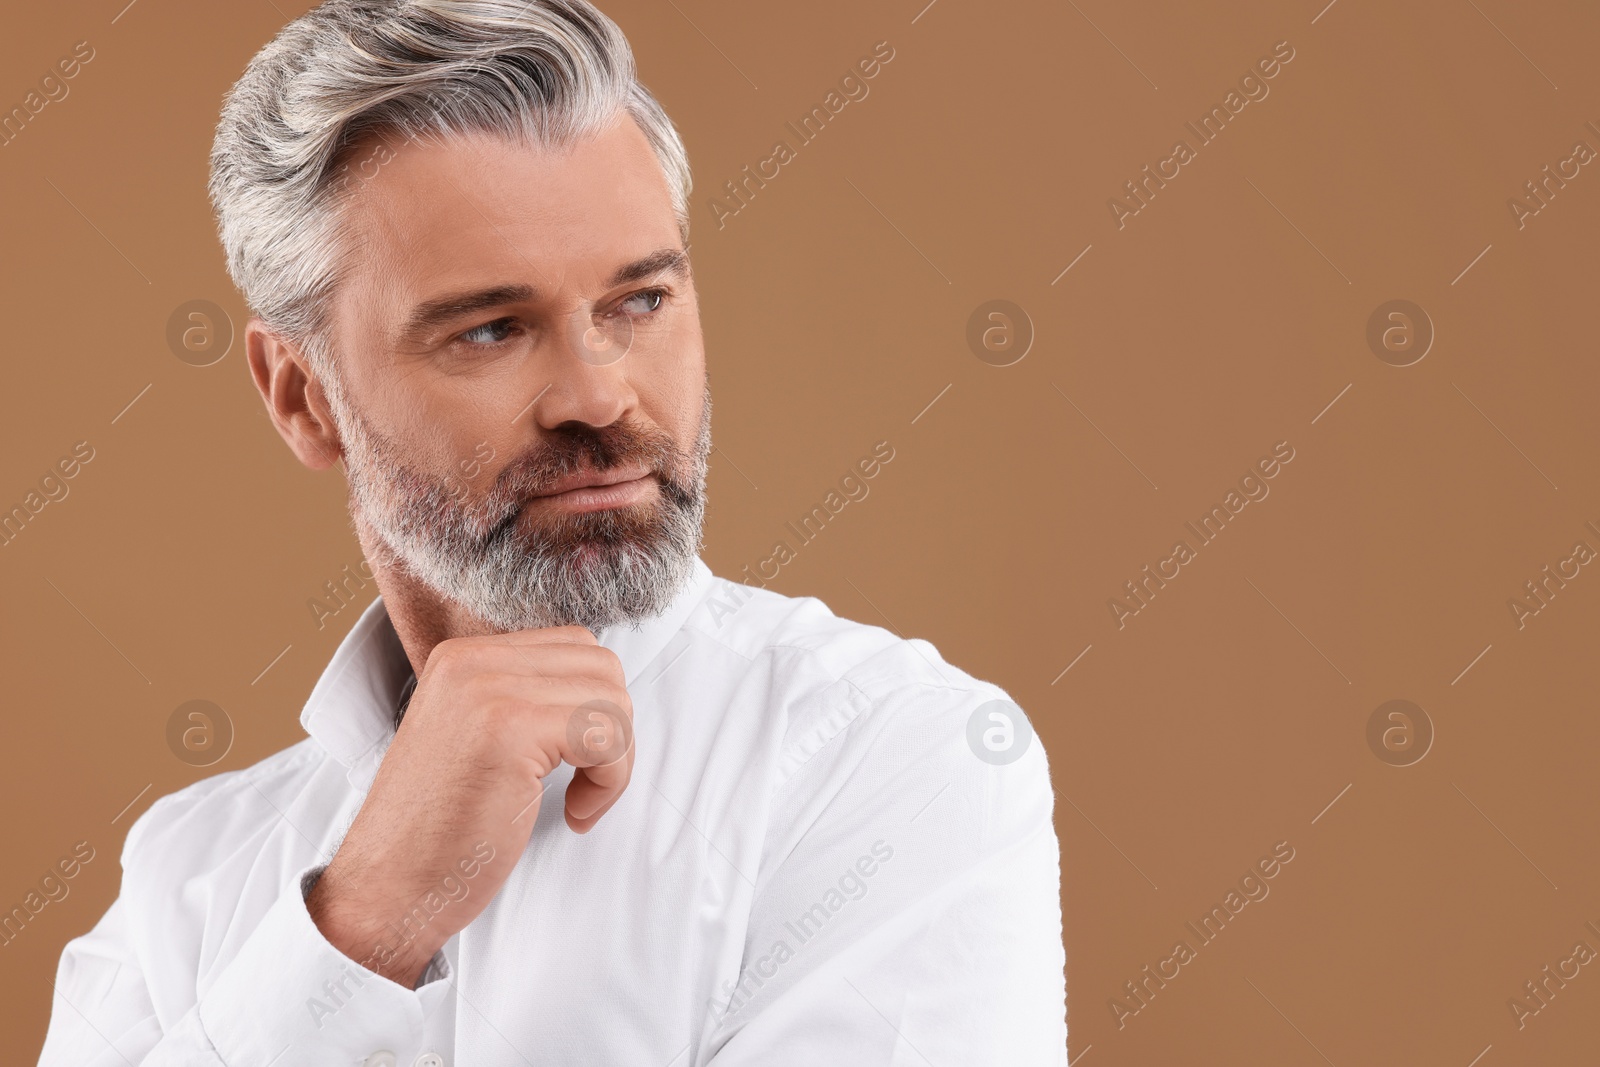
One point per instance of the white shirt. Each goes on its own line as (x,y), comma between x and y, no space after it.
(817,861)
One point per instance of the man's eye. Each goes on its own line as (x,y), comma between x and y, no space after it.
(652,299)
(490,333)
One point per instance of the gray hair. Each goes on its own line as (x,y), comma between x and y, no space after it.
(550,72)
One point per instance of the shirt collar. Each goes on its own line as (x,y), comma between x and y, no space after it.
(351,710)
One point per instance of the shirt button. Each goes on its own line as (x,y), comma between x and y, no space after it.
(429,1059)
(379,1059)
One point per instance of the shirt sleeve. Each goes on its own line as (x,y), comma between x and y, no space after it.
(910,912)
(287,996)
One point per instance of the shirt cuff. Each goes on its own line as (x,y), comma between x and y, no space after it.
(289,988)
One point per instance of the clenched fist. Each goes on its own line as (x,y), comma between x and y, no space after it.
(459,788)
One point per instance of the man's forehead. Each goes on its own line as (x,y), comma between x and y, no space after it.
(478,208)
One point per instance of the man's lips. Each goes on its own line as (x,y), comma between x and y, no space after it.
(595,490)
(587,479)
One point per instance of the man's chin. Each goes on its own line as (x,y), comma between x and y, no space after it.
(592,555)
(589,535)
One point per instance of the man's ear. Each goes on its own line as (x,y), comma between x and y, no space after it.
(293,396)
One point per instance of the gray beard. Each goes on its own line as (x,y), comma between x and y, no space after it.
(594,569)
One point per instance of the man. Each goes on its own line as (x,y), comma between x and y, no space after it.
(566,798)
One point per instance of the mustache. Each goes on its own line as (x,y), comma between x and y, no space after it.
(574,448)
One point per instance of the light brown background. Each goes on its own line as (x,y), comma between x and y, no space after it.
(1222,319)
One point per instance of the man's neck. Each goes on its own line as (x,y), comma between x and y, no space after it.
(421,617)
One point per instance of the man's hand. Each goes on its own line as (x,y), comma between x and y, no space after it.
(490,718)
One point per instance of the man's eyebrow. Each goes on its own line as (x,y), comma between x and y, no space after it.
(675,260)
(441,310)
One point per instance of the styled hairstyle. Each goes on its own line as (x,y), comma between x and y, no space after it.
(549,72)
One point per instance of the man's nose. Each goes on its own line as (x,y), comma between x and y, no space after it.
(583,376)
